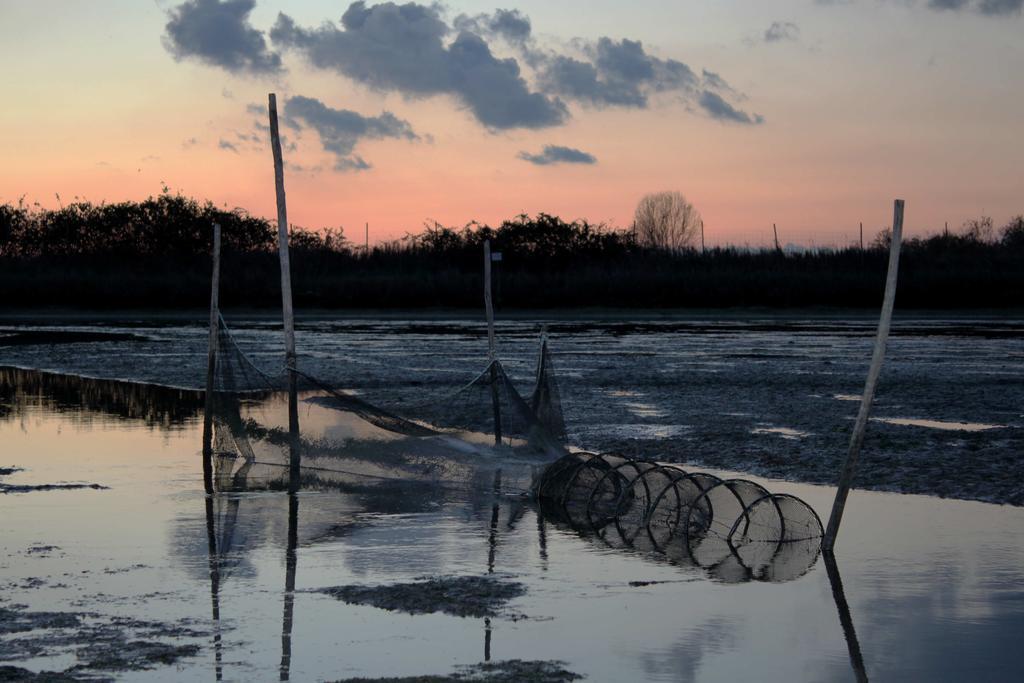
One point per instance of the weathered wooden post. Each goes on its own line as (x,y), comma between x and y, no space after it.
(860,426)
(211,364)
(775,231)
(492,347)
(702,235)
(286,297)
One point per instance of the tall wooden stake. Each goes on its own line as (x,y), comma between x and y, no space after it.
(286,295)
(862,236)
(211,365)
(367,238)
(860,426)
(492,350)
(702,236)
(776,232)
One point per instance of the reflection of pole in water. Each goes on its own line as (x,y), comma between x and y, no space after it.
(492,537)
(849,633)
(291,563)
(492,542)
(487,639)
(211,542)
(542,541)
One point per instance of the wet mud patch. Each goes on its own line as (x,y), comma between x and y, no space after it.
(510,671)
(32,337)
(33,488)
(461,596)
(100,644)
(16,673)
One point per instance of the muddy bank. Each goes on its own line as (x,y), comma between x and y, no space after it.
(511,671)
(31,337)
(464,596)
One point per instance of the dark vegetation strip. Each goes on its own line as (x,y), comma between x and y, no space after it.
(154,254)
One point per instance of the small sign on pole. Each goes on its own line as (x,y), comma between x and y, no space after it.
(495,255)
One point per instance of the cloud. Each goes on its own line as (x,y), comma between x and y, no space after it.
(713,81)
(615,73)
(218,33)
(411,49)
(781,31)
(227,145)
(556,154)
(717,108)
(987,7)
(512,25)
(340,130)
(991,8)
(189,143)
(402,48)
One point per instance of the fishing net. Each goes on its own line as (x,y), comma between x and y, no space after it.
(347,441)
(733,528)
(545,400)
(489,404)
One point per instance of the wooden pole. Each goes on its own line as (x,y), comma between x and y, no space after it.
(492,352)
(286,295)
(776,232)
(367,238)
(860,426)
(211,364)
(492,346)
(702,236)
(862,236)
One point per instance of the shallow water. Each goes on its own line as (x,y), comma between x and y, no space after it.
(681,388)
(934,589)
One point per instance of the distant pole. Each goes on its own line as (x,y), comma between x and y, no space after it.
(702,236)
(367,238)
(286,295)
(211,365)
(492,350)
(945,230)
(860,426)
(776,231)
(862,236)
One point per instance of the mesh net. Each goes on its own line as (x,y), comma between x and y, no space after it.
(345,440)
(490,404)
(546,401)
(733,528)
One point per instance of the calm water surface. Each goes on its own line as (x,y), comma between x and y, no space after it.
(933,589)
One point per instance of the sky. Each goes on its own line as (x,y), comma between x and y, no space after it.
(812,115)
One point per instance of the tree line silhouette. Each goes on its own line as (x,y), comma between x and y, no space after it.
(155,254)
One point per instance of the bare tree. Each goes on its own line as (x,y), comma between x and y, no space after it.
(666,220)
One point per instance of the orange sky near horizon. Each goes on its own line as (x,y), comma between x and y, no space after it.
(869,102)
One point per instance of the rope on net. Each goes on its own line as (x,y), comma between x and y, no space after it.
(733,527)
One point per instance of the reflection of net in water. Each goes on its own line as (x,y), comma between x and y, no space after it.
(734,528)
